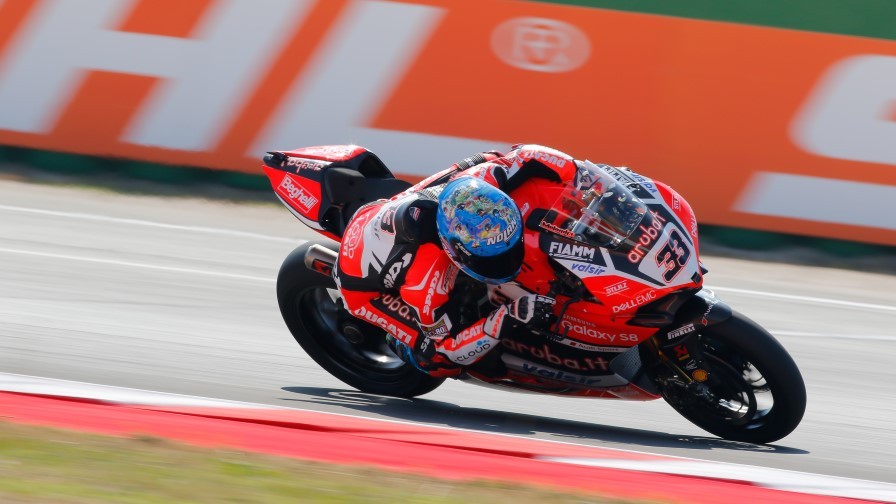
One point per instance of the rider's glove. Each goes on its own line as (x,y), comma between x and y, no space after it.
(530,310)
(533,310)
(426,360)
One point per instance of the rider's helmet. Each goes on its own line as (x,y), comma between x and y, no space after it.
(481,230)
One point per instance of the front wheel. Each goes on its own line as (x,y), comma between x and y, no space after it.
(756,393)
(312,309)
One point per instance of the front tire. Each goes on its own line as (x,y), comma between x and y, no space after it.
(310,304)
(758,392)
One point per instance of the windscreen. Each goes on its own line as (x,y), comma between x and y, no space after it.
(595,209)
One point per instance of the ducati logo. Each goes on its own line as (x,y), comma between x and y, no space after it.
(541,44)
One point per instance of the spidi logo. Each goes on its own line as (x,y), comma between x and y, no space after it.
(541,44)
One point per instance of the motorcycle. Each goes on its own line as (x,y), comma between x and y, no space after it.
(619,253)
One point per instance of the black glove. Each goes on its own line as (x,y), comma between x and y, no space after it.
(530,310)
(533,310)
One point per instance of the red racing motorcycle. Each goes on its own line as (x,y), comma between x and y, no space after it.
(619,253)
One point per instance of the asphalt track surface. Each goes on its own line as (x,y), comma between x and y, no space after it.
(177,295)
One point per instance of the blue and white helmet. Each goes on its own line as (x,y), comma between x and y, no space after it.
(481,230)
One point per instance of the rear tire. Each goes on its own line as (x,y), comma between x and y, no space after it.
(310,307)
(761,396)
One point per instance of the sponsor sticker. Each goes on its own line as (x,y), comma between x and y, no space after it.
(394,305)
(387,220)
(616,288)
(712,304)
(473,332)
(353,235)
(322,267)
(550,373)
(571,251)
(505,234)
(587,269)
(681,331)
(635,302)
(380,321)
(556,338)
(573,326)
(431,291)
(645,182)
(544,352)
(481,347)
(304,164)
(293,189)
(648,235)
(396,269)
(333,152)
(439,330)
(556,229)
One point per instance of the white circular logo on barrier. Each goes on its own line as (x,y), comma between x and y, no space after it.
(541,44)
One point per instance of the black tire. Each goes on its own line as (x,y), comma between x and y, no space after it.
(765,390)
(312,317)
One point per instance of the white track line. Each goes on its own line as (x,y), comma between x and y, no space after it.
(231,232)
(805,299)
(138,222)
(875,337)
(780,479)
(136,265)
(271,280)
(25,384)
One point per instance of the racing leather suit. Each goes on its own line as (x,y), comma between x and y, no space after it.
(393,273)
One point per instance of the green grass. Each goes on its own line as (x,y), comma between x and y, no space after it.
(47,465)
(865,18)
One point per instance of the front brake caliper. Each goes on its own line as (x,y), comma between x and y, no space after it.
(682,351)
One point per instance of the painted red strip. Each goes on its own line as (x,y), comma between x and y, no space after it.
(396,447)
(411,433)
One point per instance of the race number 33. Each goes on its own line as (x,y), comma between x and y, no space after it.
(672,257)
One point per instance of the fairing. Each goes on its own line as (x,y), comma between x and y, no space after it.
(625,282)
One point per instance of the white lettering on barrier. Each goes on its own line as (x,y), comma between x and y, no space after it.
(317,111)
(201,91)
(541,44)
(850,114)
(870,205)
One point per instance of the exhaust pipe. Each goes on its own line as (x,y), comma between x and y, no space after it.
(321,259)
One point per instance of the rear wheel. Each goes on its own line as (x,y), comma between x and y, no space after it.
(756,393)
(350,349)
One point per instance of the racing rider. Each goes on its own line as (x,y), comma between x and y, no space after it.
(399,259)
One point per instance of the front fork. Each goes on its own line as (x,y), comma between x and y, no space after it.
(680,350)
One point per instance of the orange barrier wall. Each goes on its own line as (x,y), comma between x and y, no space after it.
(758,127)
